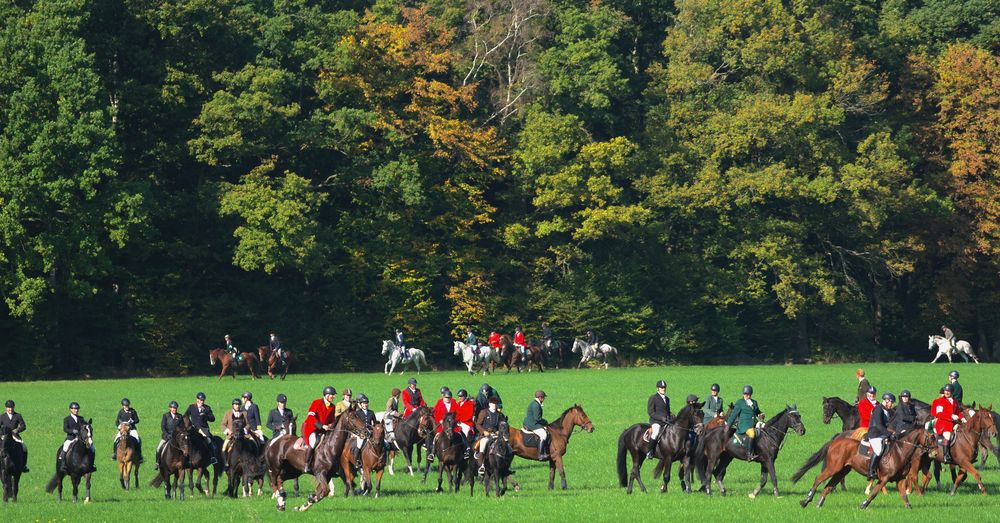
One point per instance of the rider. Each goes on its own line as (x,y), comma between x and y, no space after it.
(465,418)
(658,408)
(367,418)
(441,409)
(130,416)
(865,407)
(948,335)
(956,387)
(275,345)
(482,399)
(14,422)
(713,404)
(280,417)
(201,415)
(170,421)
(320,418)
(946,411)
(392,404)
(487,423)
(401,343)
(231,348)
(71,426)
(592,339)
(412,398)
(494,341)
(520,343)
(878,431)
(863,385)
(534,422)
(470,340)
(228,428)
(546,335)
(746,411)
(345,404)
(906,415)
(252,411)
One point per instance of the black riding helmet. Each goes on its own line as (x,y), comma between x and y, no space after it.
(446,393)
(904,394)
(445,389)
(174,404)
(248,395)
(125,402)
(462,393)
(201,396)
(236,401)
(953,374)
(74,405)
(747,389)
(362,398)
(9,404)
(692,398)
(889,396)
(282,398)
(715,387)
(949,387)
(329,390)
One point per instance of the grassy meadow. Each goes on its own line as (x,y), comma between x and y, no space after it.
(614,399)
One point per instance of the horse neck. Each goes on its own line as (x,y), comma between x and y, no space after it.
(564,424)
(777,426)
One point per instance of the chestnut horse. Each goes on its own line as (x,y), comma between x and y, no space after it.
(373,460)
(511,356)
(965,448)
(842,455)
(559,432)
(128,457)
(270,360)
(226,360)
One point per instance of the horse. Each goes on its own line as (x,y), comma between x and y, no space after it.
(987,445)
(840,455)
(77,463)
(848,413)
(672,445)
(497,460)
(13,460)
(412,431)
(225,360)
(269,360)
(559,432)
(395,355)
(172,460)
(127,453)
(281,464)
(716,449)
(472,356)
(245,462)
(589,352)
(964,449)
(555,351)
(513,358)
(373,460)
(945,348)
(326,458)
(200,459)
(450,455)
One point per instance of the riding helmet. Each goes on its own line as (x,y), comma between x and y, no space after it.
(125,402)
(174,404)
(747,389)
(871,389)
(445,389)
(9,403)
(661,384)
(248,395)
(347,392)
(539,393)
(201,396)
(329,390)
(953,374)
(282,398)
(462,393)
(949,388)
(889,396)
(411,381)
(692,398)
(446,393)
(715,387)
(236,401)
(362,398)
(904,394)
(74,405)
(485,388)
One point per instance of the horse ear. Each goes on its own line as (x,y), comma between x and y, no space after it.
(700,405)
(90,421)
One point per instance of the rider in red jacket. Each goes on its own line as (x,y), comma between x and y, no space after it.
(320,418)
(412,398)
(866,406)
(946,412)
(494,340)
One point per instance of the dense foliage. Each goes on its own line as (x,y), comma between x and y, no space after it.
(697,180)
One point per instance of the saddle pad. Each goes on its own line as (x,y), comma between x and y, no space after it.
(859,433)
(864,450)
(300,444)
(530,439)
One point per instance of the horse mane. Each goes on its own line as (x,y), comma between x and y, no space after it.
(558,421)
(784,411)
(837,400)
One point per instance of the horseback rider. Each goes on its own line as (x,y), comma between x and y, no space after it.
(412,398)
(392,404)
(863,385)
(465,418)
(252,411)
(878,431)
(520,343)
(906,415)
(231,349)
(367,418)
(534,422)
(126,415)
(275,345)
(319,419)
(746,412)
(950,336)
(14,422)
(592,339)
(487,424)
(946,412)
(956,392)
(228,426)
(482,399)
(470,341)
(345,404)
(494,341)
(866,406)
(713,404)
(400,340)
(280,417)
(201,415)
(658,408)
(546,335)
(441,409)
(170,421)
(71,426)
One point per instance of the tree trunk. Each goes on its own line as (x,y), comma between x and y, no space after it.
(802,338)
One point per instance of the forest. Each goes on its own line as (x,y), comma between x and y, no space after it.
(696,181)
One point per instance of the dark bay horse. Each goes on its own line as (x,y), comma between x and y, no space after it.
(848,413)
(77,463)
(498,458)
(555,353)
(128,457)
(200,459)
(841,455)
(13,460)
(448,451)
(225,360)
(513,359)
(269,361)
(172,460)
(278,469)
(414,430)
(559,432)
(671,446)
(244,462)
(717,448)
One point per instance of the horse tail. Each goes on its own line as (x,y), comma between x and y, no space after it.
(156,481)
(622,475)
(52,483)
(813,460)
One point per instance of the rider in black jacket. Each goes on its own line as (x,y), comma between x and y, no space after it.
(14,423)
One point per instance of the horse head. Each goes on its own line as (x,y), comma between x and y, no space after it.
(387,345)
(579,418)
(795,419)
(182,440)
(448,423)
(458,347)
(425,424)
(239,423)
(86,434)
(982,421)
(827,411)
(691,415)
(503,429)
(123,429)
(577,343)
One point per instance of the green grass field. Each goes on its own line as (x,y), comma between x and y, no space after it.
(614,399)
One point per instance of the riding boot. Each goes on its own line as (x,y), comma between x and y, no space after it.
(60,458)
(481,460)
(139,450)
(114,451)
(542,454)
(652,448)
(873,467)
(430,450)
(356,454)
(25,469)
(211,448)
(751,448)
(947,452)
(308,461)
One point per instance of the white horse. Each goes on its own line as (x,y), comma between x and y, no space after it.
(962,348)
(471,358)
(396,354)
(590,352)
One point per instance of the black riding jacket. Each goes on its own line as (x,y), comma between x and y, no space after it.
(169,423)
(131,417)
(200,418)
(13,423)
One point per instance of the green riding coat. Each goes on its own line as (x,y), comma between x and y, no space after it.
(745,414)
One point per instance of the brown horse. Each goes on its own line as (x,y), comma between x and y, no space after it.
(559,432)
(270,360)
(171,460)
(128,457)
(842,455)
(373,460)
(225,359)
(964,450)
(512,358)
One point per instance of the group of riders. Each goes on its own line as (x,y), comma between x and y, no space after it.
(495,339)
(273,343)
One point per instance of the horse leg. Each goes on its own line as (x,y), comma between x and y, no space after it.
(75,480)
(875,492)
(763,481)
(964,357)
(637,459)
(901,485)
(667,466)
(837,478)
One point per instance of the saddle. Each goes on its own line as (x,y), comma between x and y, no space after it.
(530,439)
(647,434)
(865,450)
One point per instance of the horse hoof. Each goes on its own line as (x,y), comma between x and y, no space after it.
(752,495)
(804,503)
(863,506)
(909,506)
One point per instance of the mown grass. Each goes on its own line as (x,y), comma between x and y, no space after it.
(614,399)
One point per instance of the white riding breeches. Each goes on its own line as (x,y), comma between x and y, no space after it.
(946,435)
(877,445)
(134,433)
(483,443)
(541,433)
(160,445)
(313,438)
(203,432)
(465,428)
(656,431)
(69,443)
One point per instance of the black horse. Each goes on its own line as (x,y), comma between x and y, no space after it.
(499,455)
(449,453)
(13,460)
(77,463)
(848,413)
(671,446)
(556,353)
(172,460)
(717,448)
(414,430)
(200,459)
(245,462)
